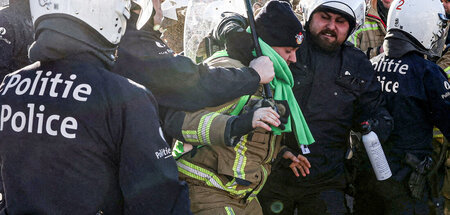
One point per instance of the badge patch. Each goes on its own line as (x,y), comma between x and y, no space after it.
(299,37)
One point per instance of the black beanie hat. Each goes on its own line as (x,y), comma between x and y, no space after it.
(277,25)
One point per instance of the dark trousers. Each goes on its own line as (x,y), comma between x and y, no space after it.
(282,195)
(386,197)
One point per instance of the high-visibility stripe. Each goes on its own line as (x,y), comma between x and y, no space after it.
(368,26)
(447,71)
(190,136)
(272,149)
(204,126)
(256,192)
(206,176)
(437,133)
(240,160)
(229,210)
(227,109)
(232,184)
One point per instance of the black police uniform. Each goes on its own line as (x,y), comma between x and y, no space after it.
(336,91)
(16,34)
(418,97)
(78,139)
(175,80)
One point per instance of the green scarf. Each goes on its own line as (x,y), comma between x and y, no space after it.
(282,86)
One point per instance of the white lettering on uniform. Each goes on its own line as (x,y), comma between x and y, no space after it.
(447,85)
(53,125)
(389,66)
(50,124)
(79,93)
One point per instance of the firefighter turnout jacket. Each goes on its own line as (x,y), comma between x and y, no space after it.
(240,170)
(369,38)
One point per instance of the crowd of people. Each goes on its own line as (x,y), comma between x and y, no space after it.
(100,116)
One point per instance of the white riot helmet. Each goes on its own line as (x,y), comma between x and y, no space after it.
(356,9)
(146,12)
(107,17)
(406,15)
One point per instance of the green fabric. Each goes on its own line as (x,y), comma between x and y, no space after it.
(242,101)
(282,86)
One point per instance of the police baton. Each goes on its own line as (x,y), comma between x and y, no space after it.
(267,93)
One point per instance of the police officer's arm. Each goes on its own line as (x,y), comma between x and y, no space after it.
(148,174)
(371,103)
(437,89)
(7,43)
(178,83)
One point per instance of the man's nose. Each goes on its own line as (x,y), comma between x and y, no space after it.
(331,25)
(292,57)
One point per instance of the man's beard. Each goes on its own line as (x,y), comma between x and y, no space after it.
(323,43)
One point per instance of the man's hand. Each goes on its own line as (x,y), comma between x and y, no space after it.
(264,67)
(298,163)
(262,116)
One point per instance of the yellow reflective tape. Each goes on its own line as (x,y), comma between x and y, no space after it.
(368,26)
(227,109)
(204,126)
(240,160)
(272,148)
(256,192)
(190,136)
(229,210)
(206,176)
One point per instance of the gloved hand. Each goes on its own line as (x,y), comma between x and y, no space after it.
(284,111)
(258,117)
(239,45)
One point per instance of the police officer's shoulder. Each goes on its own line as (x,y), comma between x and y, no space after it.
(32,67)
(121,85)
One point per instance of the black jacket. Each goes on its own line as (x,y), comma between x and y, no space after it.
(16,34)
(336,92)
(176,81)
(78,139)
(92,143)
(418,97)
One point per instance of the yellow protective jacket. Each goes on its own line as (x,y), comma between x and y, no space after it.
(370,36)
(241,170)
(444,63)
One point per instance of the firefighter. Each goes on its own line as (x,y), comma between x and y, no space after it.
(234,145)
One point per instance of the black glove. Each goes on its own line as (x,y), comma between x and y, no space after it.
(239,46)
(241,126)
(284,111)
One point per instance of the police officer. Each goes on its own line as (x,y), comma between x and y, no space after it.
(336,89)
(418,97)
(175,80)
(76,138)
(16,34)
